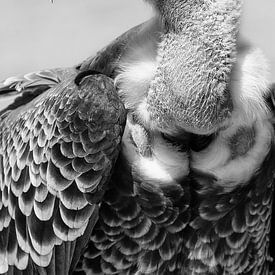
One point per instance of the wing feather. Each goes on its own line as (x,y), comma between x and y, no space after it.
(57,160)
(56,154)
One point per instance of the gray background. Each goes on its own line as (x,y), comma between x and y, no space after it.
(35,34)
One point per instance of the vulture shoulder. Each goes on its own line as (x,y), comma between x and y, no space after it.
(58,144)
(59,141)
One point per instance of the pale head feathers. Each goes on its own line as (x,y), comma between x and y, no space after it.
(190,88)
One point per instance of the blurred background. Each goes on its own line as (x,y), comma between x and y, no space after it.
(35,34)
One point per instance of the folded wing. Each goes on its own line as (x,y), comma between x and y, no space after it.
(56,155)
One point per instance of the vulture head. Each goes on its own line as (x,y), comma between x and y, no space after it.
(190,87)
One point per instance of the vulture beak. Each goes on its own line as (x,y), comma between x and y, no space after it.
(191,87)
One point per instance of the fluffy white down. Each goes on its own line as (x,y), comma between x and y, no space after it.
(136,71)
(166,165)
(250,83)
(134,81)
(216,159)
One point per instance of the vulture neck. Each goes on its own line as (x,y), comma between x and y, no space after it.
(196,57)
(189,15)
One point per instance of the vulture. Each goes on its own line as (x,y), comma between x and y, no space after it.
(155,156)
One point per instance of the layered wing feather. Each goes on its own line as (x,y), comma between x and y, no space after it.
(59,159)
(29,86)
(141,226)
(56,156)
(231,230)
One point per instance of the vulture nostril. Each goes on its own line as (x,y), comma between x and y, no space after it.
(84,74)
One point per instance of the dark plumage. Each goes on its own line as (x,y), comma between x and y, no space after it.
(56,155)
